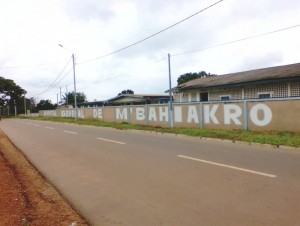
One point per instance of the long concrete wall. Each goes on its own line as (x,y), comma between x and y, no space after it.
(268,115)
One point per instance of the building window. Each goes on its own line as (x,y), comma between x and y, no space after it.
(204,96)
(224,98)
(264,95)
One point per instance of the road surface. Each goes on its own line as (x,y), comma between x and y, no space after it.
(132,178)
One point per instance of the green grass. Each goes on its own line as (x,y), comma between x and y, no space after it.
(274,138)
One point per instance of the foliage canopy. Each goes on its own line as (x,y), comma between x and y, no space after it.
(45,105)
(128,91)
(191,76)
(69,98)
(10,92)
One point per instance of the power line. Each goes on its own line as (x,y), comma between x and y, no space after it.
(148,37)
(49,88)
(238,40)
(124,48)
(55,83)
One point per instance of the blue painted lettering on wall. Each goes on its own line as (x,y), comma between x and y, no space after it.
(232,114)
(50,113)
(213,114)
(71,113)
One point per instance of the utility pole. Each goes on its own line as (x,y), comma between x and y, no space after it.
(170,92)
(60,95)
(57,99)
(25,105)
(74,76)
(67,95)
(75,94)
(15,108)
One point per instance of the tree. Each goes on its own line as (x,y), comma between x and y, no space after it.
(30,105)
(191,76)
(45,105)
(129,91)
(68,98)
(11,95)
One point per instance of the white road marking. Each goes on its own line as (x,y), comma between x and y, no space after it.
(112,141)
(227,166)
(70,132)
(49,128)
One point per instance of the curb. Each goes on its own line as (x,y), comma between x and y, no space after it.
(270,146)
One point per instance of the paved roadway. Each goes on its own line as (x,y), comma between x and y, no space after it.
(132,178)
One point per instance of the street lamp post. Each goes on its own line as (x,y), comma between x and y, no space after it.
(75,95)
(170,92)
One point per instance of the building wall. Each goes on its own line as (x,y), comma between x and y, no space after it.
(295,89)
(235,94)
(178,97)
(277,90)
(189,96)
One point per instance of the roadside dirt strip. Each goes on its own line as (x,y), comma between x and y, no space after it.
(26,197)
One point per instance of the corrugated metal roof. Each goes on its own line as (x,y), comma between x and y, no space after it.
(271,73)
(137,96)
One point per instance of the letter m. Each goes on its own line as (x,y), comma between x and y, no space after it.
(121,114)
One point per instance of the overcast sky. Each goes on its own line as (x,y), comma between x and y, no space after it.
(32,29)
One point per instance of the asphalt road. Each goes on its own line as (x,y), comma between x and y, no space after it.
(132,178)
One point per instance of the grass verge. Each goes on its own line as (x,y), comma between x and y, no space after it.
(273,137)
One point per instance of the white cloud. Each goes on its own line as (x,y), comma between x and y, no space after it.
(32,29)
